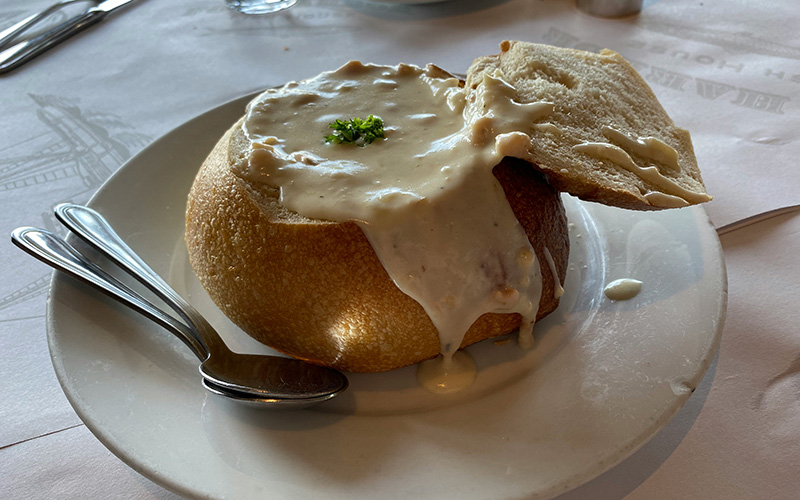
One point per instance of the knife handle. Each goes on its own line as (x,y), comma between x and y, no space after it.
(23,52)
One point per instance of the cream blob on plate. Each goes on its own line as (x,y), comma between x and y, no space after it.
(623,289)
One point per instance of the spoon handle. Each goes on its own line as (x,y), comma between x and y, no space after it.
(97,232)
(57,253)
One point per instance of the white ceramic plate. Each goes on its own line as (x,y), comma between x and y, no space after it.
(603,378)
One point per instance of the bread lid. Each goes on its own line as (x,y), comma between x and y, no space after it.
(608,138)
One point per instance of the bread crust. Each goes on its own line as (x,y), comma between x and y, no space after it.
(315,289)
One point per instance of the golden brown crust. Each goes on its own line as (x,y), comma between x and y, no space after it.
(316,289)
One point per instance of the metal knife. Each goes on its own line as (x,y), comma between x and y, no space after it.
(24,51)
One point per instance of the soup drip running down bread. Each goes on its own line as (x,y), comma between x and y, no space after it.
(447,231)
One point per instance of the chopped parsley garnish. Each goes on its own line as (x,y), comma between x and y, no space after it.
(356,131)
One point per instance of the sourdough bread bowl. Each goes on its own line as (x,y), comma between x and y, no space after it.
(586,124)
(315,289)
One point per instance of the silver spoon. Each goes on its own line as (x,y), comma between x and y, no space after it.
(240,372)
(268,381)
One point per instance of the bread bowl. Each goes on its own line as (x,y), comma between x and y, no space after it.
(313,286)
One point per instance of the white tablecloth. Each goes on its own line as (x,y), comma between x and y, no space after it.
(727,71)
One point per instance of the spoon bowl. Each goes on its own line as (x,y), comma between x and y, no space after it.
(264,402)
(271,377)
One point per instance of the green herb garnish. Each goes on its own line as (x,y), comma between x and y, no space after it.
(356,131)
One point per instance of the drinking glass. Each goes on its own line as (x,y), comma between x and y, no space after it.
(259,6)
